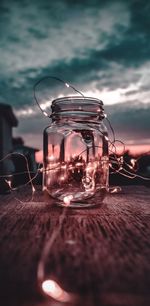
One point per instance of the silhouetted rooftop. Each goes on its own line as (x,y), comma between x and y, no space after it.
(7,112)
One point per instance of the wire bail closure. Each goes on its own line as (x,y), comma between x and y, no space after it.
(57,79)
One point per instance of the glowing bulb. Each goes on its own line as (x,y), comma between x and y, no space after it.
(51,288)
(51,158)
(121,159)
(116,189)
(44,188)
(67,199)
(133,162)
(45,114)
(67,85)
(8,182)
(130,167)
(63,166)
(33,189)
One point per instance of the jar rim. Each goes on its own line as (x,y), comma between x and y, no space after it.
(77,99)
(77,108)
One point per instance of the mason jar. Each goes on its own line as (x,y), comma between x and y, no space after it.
(76,161)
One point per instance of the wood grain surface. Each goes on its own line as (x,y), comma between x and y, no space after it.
(101,255)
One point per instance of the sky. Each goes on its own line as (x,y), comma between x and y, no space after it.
(100,47)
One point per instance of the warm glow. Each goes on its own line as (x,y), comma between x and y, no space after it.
(8,182)
(45,114)
(67,199)
(114,190)
(134,149)
(33,189)
(51,158)
(51,288)
(44,188)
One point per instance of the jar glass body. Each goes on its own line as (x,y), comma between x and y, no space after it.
(76,162)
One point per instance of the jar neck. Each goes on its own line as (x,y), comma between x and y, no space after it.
(78,109)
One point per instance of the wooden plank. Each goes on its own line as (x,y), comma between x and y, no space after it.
(101,253)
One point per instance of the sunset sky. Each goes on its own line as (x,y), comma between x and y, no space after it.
(100,47)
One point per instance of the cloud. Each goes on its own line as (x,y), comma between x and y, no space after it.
(130,121)
(38,39)
(55,38)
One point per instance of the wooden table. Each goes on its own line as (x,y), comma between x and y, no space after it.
(102,255)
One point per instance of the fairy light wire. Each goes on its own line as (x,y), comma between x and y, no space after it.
(113,160)
(118,161)
(31,179)
(57,79)
(49,244)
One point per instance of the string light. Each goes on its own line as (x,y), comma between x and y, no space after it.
(51,288)
(45,114)
(67,85)
(112,147)
(116,164)
(30,181)
(8,183)
(59,81)
(113,163)
(67,199)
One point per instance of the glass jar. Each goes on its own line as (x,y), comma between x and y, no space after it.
(76,162)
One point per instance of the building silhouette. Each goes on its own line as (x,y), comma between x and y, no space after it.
(11,165)
(7,122)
